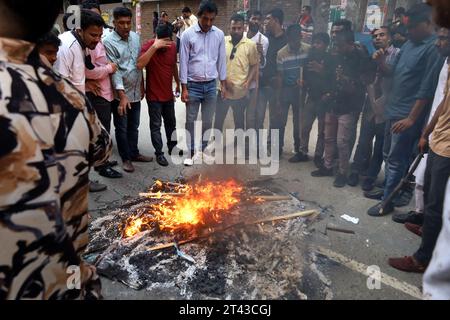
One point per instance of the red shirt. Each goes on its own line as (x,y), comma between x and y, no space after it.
(160,73)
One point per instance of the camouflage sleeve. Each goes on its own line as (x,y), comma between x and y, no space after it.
(36,249)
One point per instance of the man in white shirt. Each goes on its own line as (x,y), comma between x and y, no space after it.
(183,23)
(71,61)
(72,52)
(255,116)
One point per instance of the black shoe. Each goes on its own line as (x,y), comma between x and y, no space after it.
(323,172)
(381,210)
(376,194)
(340,181)
(112,163)
(368,185)
(95,186)
(109,173)
(353,179)
(162,161)
(411,217)
(299,157)
(318,162)
(403,199)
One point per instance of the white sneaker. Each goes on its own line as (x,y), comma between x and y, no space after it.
(196,159)
(189,162)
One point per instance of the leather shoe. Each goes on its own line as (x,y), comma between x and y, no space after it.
(299,157)
(113,163)
(368,185)
(376,194)
(407,264)
(141,158)
(128,166)
(381,210)
(110,173)
(322,172)
(411,217)
(414,228)
(162,161)
(353,179)
(95,186)
(340,181)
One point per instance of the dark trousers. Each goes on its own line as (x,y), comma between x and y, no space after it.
(290,96)
(338,132)
(256,113)
(103,109)
(157,112)
(127,130)
(436,178)
(310,112)
(368,158)
(238,107)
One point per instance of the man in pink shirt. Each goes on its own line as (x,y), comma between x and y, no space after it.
(99,89)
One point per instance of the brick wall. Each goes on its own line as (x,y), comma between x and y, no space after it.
(291,8)
(174,7)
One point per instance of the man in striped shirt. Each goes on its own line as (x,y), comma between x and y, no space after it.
(290,60)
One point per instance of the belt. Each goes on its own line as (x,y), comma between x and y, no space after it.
(202,82)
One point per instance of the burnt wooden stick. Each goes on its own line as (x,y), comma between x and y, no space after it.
(303,214)
(176,194)
(340,230)
(271,198)
(157,195)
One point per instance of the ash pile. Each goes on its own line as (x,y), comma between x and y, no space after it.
(236,259)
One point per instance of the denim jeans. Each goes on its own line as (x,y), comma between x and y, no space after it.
(127,130)
(238,107)
(338,131)
(201,95)
(436,178)
(398,152)
(157,112)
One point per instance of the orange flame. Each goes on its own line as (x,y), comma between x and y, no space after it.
(200,205)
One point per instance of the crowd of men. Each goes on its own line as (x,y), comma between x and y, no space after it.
(51,136)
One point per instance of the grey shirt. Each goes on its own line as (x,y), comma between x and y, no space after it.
(415,77)
(125,54)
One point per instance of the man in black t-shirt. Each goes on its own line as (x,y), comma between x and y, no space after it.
(344,100)
(277,40)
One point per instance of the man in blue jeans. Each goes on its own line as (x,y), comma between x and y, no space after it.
(202,61)
(415,77)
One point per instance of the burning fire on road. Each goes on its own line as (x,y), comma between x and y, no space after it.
(186,207)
